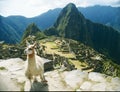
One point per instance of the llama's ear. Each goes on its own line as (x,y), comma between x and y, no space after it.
(27,43)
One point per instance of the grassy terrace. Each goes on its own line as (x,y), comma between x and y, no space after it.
(53,48)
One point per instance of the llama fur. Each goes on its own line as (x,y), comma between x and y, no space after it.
(34,64)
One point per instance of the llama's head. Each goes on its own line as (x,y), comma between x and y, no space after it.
(30,50)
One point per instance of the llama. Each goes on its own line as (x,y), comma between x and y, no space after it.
(34,64)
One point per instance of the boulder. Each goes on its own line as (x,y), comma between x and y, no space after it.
(115,83)
(99,87)
(6,84)
(75,78)
(86,86)
(97,77)
(48,64)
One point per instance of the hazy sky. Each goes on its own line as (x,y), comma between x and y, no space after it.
(30,8)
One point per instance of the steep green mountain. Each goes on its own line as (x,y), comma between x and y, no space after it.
(72,24)
(33,31)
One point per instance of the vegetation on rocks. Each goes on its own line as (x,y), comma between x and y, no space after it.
(2,68)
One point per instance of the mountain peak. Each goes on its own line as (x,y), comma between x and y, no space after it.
(68,17)
(70,8)
(32,29)
(71,5)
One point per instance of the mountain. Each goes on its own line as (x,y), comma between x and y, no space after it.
(46,19)
(16,24)
(11,28)
(107,15)
(103,14)
(8,33)
(72,24)
(19,23)
(31,31)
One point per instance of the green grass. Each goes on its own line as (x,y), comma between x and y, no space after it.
(78,64)
(3,68)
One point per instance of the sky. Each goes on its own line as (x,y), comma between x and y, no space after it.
(31,8)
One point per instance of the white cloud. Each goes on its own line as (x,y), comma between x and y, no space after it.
(32,8)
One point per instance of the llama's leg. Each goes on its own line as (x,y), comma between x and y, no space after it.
(28,82)
(43,78)
(29,76)
(35,79)
(27,85)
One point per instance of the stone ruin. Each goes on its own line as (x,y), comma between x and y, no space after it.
(62,62)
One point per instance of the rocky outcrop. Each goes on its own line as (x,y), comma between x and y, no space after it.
(13,72)
(93,81)
(48,64)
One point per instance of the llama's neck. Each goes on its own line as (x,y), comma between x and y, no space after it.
(31,59)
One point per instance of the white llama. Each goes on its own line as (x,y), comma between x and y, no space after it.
(34,64)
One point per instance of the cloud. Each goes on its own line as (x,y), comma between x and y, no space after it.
(32,8)
(117,3)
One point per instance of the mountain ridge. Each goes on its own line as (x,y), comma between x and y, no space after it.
(107,15)
(47,19)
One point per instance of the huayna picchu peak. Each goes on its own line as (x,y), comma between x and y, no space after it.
(69,19)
